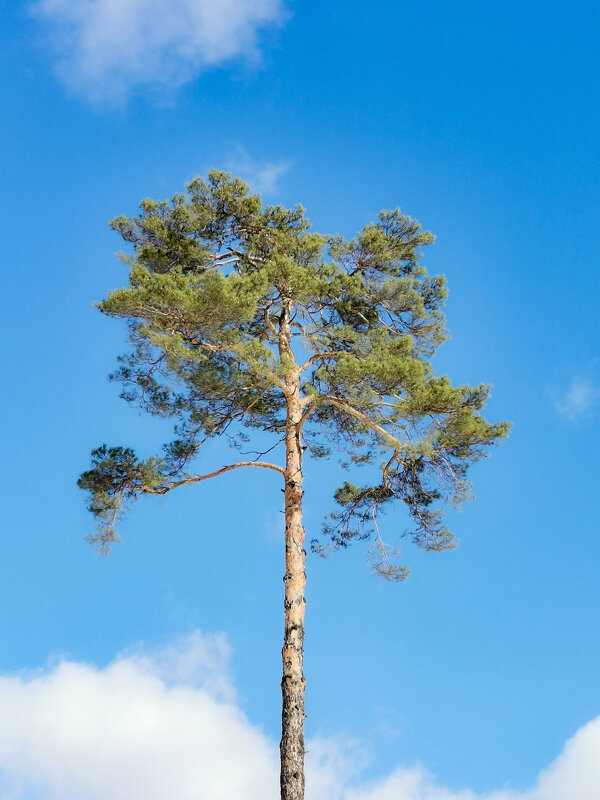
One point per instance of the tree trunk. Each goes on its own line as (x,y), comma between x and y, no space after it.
(292,684)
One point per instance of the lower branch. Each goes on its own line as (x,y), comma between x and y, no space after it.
(221,471)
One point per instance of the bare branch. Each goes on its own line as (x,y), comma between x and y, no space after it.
(258,453)
(269,322)
(225,258)
(310,410)
(231,256)
(317,357)
(198,478)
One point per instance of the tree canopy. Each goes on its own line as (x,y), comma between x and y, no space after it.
(214,278)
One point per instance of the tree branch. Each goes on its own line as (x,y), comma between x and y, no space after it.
(269,322)
(395,443)
(310,410)
(316,357)
(253,362)
(198,478)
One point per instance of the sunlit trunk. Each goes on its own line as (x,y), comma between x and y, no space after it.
(292,683)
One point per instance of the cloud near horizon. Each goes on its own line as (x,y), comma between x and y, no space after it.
(107,48)
(166,723)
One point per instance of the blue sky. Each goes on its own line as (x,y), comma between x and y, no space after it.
(482,121)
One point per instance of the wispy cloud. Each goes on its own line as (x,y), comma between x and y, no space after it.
(166,723)
(107,48)
(262,177)
(579,398)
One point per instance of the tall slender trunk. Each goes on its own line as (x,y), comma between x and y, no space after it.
(292,683)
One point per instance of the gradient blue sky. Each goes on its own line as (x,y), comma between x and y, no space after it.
(479,119)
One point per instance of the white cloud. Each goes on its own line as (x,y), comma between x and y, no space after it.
(106,48)
(261,177)
(574,775)
(581,396)
(162,724)
(125,732)
(408,784)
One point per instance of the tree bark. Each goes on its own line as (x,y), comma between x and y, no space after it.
(292,683)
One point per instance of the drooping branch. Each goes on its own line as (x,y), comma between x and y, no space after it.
(214,474)
(117,476)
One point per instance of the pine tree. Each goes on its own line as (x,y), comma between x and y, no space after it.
(242,318)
